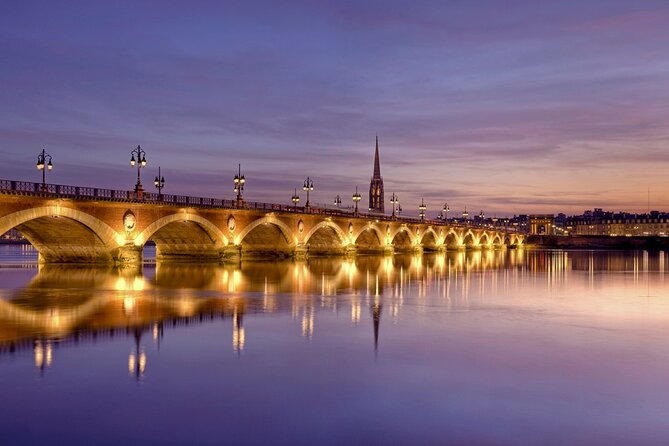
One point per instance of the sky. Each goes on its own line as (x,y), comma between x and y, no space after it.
(504,106)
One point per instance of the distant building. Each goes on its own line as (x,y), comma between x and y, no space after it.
(613,224)
(542,224)
(13,235)
(376,199)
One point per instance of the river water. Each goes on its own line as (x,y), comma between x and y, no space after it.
(501,348)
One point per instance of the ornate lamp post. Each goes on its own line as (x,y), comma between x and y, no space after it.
(239,181)
(399,209)
(159,182)
(445,211)
(308,187)
(43,165)
(141,162)
(356,199)
(394,200)
(421,210)
(295,199)
(337,201)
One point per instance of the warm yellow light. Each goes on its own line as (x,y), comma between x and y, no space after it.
(131,363)
(128,304)
(39,354)
(355,312)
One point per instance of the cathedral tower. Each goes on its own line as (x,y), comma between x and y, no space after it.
(376,200)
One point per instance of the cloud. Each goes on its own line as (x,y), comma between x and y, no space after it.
(518,108)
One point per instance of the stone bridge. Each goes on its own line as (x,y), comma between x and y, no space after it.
(69,224)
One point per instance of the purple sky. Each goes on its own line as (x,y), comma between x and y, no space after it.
(506,106)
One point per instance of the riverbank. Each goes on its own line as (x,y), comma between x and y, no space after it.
(598,242)
(13,242)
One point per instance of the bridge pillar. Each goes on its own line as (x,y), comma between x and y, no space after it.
(388,250)
(231,254)
(350,251)
(418,249)
(441,248)
(300,252)
(129,254)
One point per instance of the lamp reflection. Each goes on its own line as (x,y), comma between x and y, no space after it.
(308,322)
(43,354)
(137,359)
(238,334)
(143,300)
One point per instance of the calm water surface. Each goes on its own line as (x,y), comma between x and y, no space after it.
(515,347)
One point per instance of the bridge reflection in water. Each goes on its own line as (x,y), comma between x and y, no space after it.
(64,305)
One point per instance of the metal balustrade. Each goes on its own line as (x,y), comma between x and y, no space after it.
(100,194)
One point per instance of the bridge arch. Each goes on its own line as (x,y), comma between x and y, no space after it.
(217,236)
(325,237)
(403,239)
(369,238)
(184,236)
(469,240)
(266,236)
(430,240)
(484,240)
(64,234)
(452,240)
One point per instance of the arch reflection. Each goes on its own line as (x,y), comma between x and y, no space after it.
(63,304)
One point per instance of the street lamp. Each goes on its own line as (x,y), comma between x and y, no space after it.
(239,181)
(444,211)
(141,162)
(356,199)
(159,182)
(295,199)
(399,209)
(43,165)
(394,200)
(337,201)
(308,186)
(421,210)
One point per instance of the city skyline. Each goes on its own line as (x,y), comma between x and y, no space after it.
(556,108)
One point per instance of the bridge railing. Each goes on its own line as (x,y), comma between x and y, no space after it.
(94,193)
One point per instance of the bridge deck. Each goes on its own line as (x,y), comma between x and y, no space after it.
(106,224)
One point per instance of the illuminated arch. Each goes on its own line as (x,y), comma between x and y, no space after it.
(285,230)
(469,239)
(216,234)
(484,239)
(370,227)
(107,235)
(343,239)
(452,240)
(437,240)
(410,233)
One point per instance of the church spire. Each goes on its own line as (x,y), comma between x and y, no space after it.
(376,200)
(377,164)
